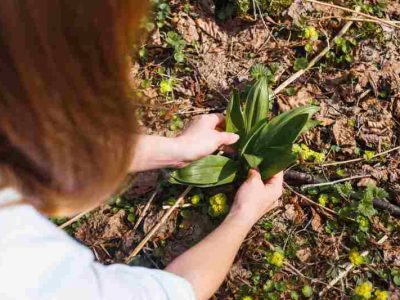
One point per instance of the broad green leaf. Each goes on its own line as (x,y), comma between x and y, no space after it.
(234,115)
(209,171)
(282,130)
(275,160)
(253,160)
(257,103)
(252,135)
(310,125)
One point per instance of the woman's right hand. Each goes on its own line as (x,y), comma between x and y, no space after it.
(255,198)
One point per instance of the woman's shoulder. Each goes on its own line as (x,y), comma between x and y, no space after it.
(40,261)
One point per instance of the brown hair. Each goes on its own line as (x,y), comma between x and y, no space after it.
(67,120)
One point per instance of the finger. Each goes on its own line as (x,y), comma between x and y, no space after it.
(253,175)
(213,120)
(227,138)
(277,179)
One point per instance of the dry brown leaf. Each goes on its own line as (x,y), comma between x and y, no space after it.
(396,108)
(210,27)
(392,256)
(303,97)
(294,213)
(303,254)
(344,135)
(102,227)
(316,222)
(377,173)
(187,28)
(363,182)
(298,9)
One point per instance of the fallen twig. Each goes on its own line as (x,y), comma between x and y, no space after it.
(316,59)
(348,267)
(78,216)
(146,208)
(386,22)
(307,186)
(382,204)
(330,211)
(351,19)
(393,210)
(300,177)
(158,225)
(336,163)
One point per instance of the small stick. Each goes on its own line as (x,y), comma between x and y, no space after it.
(351,19)
(316,59)
(386,22)
(349,267)
(146,208)
(158,225)
(181,206)
(77,217)
(309,200)
(336,163)
(306,186)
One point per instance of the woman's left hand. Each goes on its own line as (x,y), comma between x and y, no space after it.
(202,138)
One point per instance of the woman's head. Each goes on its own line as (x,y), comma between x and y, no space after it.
(66,115)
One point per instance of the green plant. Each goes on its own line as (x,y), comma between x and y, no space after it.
(307,291)
(342,51)
(162,11)
(175,41)
(300,63)
(262,144)
(167,85)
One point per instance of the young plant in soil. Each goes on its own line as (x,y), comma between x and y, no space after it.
(266,145)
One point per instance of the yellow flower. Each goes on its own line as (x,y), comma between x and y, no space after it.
(306,154)
(276,258)
(247,298)
(381,295)
(218,206)
(364,290)
(356,258)
(368,155)
(195,200)
(311,33)
(323,199)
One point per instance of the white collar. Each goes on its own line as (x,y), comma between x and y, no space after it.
(9,195)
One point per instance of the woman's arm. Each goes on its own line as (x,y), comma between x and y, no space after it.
(206,265)
(200,139)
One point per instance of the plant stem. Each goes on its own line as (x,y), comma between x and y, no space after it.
(307,186)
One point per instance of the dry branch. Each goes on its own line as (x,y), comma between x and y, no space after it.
(316,59)
(158,225)
(356,11)
(336,163)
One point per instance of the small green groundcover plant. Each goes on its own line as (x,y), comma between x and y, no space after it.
(266,145)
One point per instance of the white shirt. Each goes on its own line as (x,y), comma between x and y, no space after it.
(40,262)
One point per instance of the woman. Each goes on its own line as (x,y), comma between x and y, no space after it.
(68,136)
